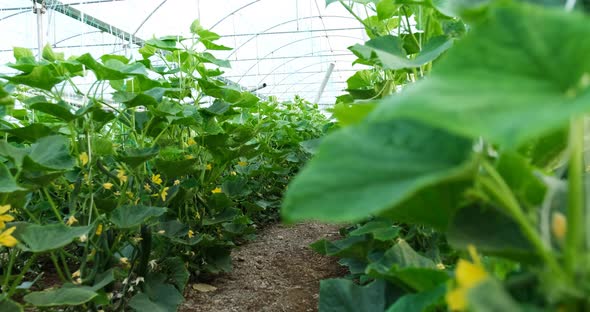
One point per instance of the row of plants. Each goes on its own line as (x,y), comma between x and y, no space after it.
(460,160)
(114,194)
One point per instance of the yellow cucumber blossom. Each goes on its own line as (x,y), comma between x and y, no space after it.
(217,190)
(83,158)
(164,193)
(71,221)
(467,275)
(190,234)
(558,225)
(121,175)
(191,142)
(242,163)
(107,186)
(98,230)
(233,173)
(6,238)
(147,188)
(5,217)
(124,260)
(209,167)
(156,179)
(176,182)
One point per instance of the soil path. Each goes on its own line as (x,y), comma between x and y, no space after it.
(277,272)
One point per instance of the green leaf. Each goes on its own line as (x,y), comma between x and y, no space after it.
(65,296)
(30,133)
(457,8)
(357,247)
(402,264)
(103,279)
(196,27)
(113,69)
(349,113)
(40,77)
(44,238)
(379,230)
(340,295)
(490,296)
(137,156)
(388,52)
(520,176)
(7,182)
(159,298)
(20,53)
(130,216)
(177,272)
(49,153)
(51,56)
(419,302)
(163,43)
(386,9)
(518,75)
(368,169)
(491,231)
(7,305)
(60,110)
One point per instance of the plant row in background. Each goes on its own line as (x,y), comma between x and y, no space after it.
(114,194)
(469,183)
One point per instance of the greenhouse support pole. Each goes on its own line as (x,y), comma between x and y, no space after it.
(39,10)
(325,82)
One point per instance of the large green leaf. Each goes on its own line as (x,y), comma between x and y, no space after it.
(402,265)
(126,217)
(60,110)
(113,69)
(7,305)
(368,169)
(31,132)
(137,156)
(65,296)
(388,52)
(7,182)
(40,77)
(341,295)
(490,296)
(518,75)
(43,238)
(419,302)
(49,153)
(491,231)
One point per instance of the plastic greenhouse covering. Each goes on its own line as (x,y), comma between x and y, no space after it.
(289,45)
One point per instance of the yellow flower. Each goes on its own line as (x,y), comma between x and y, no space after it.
(124,260)
(161,232)
(558,225)
(129,194)
(6,238)
(71,221)
(209,167)
(5,217)
(190,234)
(117,193)
(83,158)
(156,179)
(98,230)
(467,275)
(108,186)
(197,215)
(216,190)
(189,157)
(233,173)
(242,163)
(164,193)
(72,186)
(440,266)
(191,142)
(121,175)
(76,274)
(176,182)
(147,188)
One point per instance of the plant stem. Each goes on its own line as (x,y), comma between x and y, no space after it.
(21,275)
(9,270)
(575,211)
(52,204)
(498,187)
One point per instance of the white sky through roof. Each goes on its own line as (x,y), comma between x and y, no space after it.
(287,44)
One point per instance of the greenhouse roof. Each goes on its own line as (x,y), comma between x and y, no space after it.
(287,45)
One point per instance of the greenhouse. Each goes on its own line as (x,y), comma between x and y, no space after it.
(294,155)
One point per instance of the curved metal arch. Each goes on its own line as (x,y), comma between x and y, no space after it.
(300,69)
(234,12)
(282,24)
(14,14)
(290,43)
(77,35)
(298,81)
(149,16)
(289,61)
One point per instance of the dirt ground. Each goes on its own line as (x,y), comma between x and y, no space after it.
(277,272)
